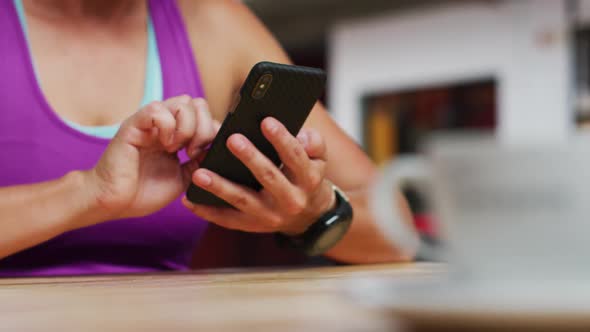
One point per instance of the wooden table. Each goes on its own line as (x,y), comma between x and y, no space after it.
(279,300)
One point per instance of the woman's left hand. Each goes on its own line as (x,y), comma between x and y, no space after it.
(292,198)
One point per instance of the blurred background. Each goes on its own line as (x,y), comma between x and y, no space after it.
(400,69)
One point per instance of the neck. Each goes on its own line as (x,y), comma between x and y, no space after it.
(95,10)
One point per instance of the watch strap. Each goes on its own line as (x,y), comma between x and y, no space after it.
(313,241)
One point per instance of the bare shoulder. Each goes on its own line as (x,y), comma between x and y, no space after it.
(214,14)
(238,28)
(227,39)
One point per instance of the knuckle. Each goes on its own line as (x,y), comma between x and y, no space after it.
(297,204)
(176,111)
(184,98)
(269,175)
(199,101)
(180,107)
(298,151)
(153,108)
(314,179)
(276,224)
(240,200)
(274,221)
(205,125)
(201,106)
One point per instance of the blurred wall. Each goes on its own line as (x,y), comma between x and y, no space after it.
(523,44)
(583,14)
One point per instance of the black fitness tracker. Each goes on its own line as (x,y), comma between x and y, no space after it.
(323,234)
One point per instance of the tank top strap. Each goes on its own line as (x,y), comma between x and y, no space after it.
(180,73)
(15,69)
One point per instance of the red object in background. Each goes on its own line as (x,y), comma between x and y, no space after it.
(425,225)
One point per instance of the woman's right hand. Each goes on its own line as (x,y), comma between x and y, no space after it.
(139,172)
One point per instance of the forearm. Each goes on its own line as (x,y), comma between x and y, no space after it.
(32,214)
(364,241)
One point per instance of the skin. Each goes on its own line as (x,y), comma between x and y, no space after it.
(109,36)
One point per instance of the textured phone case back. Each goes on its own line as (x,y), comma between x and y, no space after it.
(290,98)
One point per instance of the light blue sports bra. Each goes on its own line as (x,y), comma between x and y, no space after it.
(153,85)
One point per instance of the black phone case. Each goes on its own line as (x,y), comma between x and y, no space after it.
(292,94)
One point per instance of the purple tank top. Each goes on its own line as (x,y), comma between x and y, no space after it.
(36,145)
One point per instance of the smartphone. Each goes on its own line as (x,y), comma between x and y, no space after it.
(284,92)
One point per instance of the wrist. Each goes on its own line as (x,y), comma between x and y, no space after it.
(323,201)
(326,231)
(330,203)
(85,200)
(327,202)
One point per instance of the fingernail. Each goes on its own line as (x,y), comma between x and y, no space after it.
(303,138)
(203,179)
(239,143)
(271,125)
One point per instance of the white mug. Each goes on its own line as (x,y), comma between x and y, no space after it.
(520,212)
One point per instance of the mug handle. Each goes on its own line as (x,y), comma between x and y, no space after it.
(384,197)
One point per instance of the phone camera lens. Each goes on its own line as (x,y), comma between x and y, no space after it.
(262,86)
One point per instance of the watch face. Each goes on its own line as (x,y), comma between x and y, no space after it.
(330,236)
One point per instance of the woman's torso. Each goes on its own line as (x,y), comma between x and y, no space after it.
(37,145)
